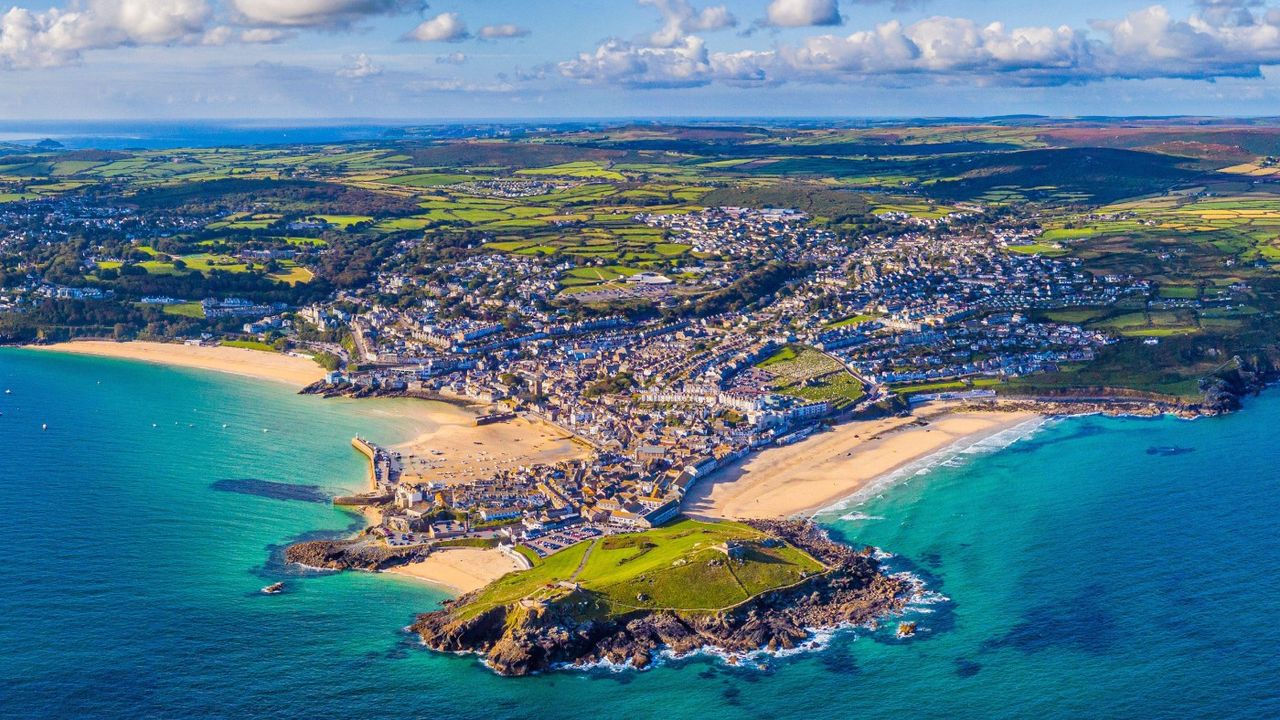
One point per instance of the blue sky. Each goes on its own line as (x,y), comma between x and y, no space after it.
(406,59)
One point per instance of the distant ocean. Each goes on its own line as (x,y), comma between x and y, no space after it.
(1099,568)
(108,135)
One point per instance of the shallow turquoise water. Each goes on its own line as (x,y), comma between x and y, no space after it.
(1086,577)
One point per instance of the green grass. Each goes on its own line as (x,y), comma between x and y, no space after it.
(851,320)
(1179,291)
(292,274)
(429,179)
(784,355)
(190,309)
(674,567)
(949,386)
(249,345)
(343,221)
(1046,249)
(1075,315)
(1067,234)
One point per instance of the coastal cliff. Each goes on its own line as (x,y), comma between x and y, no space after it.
(572,625)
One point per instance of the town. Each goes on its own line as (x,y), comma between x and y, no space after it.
(666,321)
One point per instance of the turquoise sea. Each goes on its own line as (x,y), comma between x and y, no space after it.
(1098,568)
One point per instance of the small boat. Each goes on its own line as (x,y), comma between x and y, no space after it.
(273,589)
(906,629)
(44,426)
(8,391)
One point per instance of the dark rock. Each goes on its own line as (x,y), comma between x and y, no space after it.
(354,554)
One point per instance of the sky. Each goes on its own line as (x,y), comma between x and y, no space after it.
(562,59)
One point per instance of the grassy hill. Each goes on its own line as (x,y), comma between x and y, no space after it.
(676,567)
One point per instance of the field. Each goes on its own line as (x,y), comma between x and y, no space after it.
(249,345)
(1192,209)
(949,386)
(1243,226)
(673,567)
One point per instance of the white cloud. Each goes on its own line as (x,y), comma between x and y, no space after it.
(58,36)
(1148,43)
(226,35)
(318,13)
(1152,43)
(453,58)
(502,31)
(803,13)
(679,18)
(623,63)
(362,66)
(445,27)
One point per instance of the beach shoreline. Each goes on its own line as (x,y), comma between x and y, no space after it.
(258,364)
(833,466)
(445,446)
(458,569)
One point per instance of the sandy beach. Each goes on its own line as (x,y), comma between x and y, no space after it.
(461,569)
(830,466)
(455,450)
(279,367)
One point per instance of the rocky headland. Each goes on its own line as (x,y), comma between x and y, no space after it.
(358,553)
(573,626)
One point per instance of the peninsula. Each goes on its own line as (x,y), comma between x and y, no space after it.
(622,600)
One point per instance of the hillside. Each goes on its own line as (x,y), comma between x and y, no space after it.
(624,598)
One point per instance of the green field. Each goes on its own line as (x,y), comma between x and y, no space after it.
(249,345)
(948,386)
(850,321)
(191,310)
(673,567)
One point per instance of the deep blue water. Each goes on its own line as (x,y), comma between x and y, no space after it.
(1086,577)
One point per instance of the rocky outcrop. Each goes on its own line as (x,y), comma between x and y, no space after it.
(354,554)
(577,627)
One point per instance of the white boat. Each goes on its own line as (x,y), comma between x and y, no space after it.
(44,426)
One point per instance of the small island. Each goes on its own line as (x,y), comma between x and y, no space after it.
(735,588)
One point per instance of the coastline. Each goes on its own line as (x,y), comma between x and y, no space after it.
(832,466)
(459,570)
(278,367)
(446,445)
